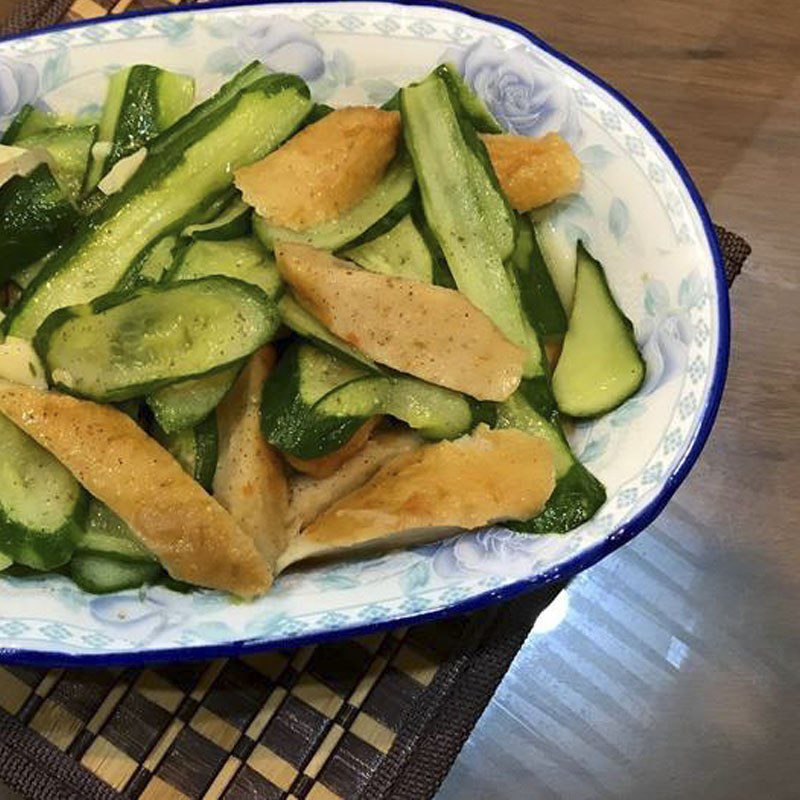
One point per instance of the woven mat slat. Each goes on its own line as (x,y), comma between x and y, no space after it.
(376,718)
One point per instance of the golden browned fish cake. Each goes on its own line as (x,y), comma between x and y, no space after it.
(324,170)
(311,496)
(250,481)
(428,331)
(533,172)
(486,477)
(193,536)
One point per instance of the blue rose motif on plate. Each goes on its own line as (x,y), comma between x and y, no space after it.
(280,43)
(284,45)
(522,92)
(494,552)
(19,84)
(666,331)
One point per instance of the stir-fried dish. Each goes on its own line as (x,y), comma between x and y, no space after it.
(255,330)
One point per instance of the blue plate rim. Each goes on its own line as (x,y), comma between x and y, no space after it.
(565,570)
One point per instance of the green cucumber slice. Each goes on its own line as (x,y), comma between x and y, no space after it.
(101,574)
(234,221)
(578,495)
(27,121)
(401,251)
(42,506)
(576,498)
(303,376)
(130,344)
(186,169)
(379,211)
(5,561)
(175,97)
(157,260)
(479,115)
(142,101)
(559,254)
(435,412)
(26,275)
(244,259)
(600,365)
(106,534)
(319,111)
(314,402)
(186,404)
(69,148)
(35,217)
(540,299)
(195,449)
(465,209)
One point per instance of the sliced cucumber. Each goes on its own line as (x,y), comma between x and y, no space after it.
(234,221)
(465,209)
(101,574)
(441,272)
(303,376)
(112,108)
(42,507)
(106,534)
(309,327)
(35,217)
(319,111)
(195,449)
(379,211)
(539,296)
(314,402)
(519,412)
(479,115)
(244,259)
(186,169)
(254,76)
(130,344)
(435,412)
(499,217)
(578,494)
(142,102)
(25,277)
(600,365)
(559,253)
(69,148)
(157,260)
(175,97)
(5,561)
(29,120)
(186,404)
(401,251)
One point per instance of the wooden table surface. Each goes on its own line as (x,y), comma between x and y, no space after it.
(672,668)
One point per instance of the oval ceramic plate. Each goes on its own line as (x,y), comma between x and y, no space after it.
(638,211)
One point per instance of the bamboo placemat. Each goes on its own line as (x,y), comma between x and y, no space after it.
(381,716)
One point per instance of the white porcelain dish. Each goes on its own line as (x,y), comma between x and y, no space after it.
(638,210)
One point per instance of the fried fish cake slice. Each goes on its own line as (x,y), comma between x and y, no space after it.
(324,170)
(193,536)
(488,476)
(250,481)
